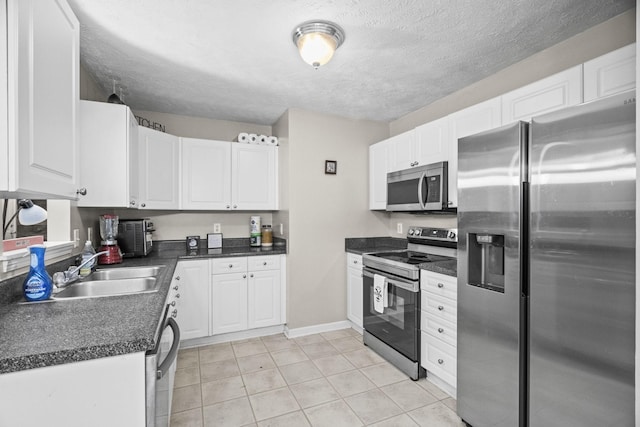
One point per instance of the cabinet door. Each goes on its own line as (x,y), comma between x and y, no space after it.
(379,165)
(42,99)
(402,150)
(609,74)
(264,298)
(354,295)
(549,94)
(159,168)
(113,126)
(228,303)
(206,174)
(471,120)
(254,177)
(432,142)
(192,279)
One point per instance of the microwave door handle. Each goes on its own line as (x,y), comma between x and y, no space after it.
(423,205)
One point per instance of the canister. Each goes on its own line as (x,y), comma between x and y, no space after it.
(254,231)
(267,235)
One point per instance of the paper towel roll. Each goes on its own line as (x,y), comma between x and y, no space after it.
(253,138)
(272,140)
(243,137)
(262,139)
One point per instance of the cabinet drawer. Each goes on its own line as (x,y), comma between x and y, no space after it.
(354,260)
(439,307)
(438,357)
(228,265)
(439,284)
(258,263)
(439,328)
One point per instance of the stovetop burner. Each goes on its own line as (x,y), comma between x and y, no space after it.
(410,257)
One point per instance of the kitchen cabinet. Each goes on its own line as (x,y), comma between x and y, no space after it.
(609,74)
(549,94)
(354,289)
(39,93)
(435,146)
(108,155)
(254,177)
(228,303)
(438,327)
(192,280)
(379,165)
(159,170)
(77,394)
(477,118)
(402,151)
(264,296)
(206,174)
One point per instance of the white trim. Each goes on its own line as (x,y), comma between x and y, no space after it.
(316,329)
(445,386)
(232,336)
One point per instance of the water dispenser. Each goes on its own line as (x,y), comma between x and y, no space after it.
(486,261)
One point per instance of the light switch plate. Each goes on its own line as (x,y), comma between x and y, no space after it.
(217,228)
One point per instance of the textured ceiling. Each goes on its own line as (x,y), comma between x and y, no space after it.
(234,59)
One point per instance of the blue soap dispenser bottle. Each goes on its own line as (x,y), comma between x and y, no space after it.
(38,285)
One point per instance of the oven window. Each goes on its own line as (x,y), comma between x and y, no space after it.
(398,325)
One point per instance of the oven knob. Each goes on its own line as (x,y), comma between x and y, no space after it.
(411,232)
(452,235)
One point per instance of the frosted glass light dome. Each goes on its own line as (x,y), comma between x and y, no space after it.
(317,41)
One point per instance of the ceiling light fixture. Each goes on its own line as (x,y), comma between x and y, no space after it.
(317,41)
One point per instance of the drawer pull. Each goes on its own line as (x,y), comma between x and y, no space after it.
(440,361)
(244,276)
(441,285)
(177,277)
(173,303)
(174,313)
(264,263)
(177,295)
(440,330)
(230,265)
(440,307)
(175,288)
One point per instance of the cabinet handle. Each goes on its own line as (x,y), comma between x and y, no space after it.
(251,275)
(175,288)
(440,361)
(177,277)
(264,263)
(235,206)
(81,191)
(230,265)
(173,303)
(244,276)
(440,285)
(228,207)
(144,205)
(440,330)
(177,295)
(440,308)
(132,203)
(174,313)
(355,261)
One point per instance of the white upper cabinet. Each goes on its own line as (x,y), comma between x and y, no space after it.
(159,170)
(477,118)
(108,155)
(254,177)
(432,142)
(379,165)
(609,74)
(39,82)
(549,94)
(402,150)
(206,174)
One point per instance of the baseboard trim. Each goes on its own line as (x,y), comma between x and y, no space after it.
(445,386)
(316,329)
(232,336)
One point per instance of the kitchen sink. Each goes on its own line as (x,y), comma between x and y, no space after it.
(98,288)
(125,273)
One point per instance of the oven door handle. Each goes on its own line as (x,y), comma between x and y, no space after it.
(173,353)
(408,286)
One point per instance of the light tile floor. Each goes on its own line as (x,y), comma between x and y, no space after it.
(329,379)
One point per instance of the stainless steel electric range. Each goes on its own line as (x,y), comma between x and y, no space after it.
(391,302)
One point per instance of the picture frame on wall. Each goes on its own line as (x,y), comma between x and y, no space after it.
(330,167)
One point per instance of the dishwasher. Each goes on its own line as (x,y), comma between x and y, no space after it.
(160,370)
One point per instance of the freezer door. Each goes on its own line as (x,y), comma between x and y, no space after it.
(582,291)
(489,184)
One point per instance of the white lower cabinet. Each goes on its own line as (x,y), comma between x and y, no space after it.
(438,326)
(192,280)
(225,295)
(354,288)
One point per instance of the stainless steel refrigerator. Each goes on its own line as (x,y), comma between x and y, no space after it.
(546,270)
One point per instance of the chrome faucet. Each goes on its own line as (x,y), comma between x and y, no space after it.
(64,278)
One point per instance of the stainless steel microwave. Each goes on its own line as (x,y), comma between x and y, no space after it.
(422,188)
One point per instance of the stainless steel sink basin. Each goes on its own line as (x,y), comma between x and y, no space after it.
(125,272)
(98,288)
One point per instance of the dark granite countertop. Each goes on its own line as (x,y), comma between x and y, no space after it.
(362,245)
(447,267)
(56,332)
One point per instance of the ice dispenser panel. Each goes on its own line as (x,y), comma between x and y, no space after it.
(486,261)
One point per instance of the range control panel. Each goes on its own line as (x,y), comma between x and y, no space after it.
(433,234)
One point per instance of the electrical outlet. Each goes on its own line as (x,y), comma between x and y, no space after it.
(399,228)
(76,237)
(217,228)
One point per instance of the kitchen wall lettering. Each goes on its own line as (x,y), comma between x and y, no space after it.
(149,124)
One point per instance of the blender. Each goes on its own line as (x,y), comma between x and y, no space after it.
(108,232)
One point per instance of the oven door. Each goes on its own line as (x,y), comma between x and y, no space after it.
(398,324)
